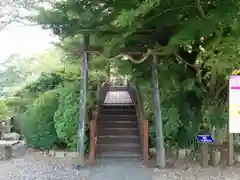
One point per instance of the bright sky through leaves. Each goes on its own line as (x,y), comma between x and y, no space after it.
(24,40)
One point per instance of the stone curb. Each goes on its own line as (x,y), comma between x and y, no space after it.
(55,153)
(62,154)
(237,158)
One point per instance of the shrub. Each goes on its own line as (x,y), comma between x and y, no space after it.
(66,115)
(38,122)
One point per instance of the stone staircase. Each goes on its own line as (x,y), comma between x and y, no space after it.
(118,132)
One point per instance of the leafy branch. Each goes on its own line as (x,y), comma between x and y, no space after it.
(200,9)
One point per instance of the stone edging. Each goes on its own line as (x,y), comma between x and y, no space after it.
(54,153)
(237,158)
(62,154)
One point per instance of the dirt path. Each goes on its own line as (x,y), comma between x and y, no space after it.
(120,169)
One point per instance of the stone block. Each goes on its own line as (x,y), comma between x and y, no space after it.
(7,152)
(52,152)
(175,152)
(237,158)
(215,158)
(188,152)
(71,154)
(60,154)
(181,153)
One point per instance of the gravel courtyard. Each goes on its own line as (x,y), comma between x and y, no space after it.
(36,166)
(197,174)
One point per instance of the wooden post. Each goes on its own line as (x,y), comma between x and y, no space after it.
(204,155)
(160,149)
(230,149)
(92,142)
(145,141)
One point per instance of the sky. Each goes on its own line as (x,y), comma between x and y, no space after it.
(24,40)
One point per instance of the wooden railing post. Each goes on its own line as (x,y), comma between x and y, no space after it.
(145,141)
(93,136)
(92,142)
(101,93)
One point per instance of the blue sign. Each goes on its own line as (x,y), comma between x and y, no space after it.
(205,138)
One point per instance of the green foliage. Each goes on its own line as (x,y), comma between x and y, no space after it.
(46,81)
(66,115)
(18,105)
(3,110)
(38,121)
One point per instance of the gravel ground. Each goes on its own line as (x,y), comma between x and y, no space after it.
(30,168)
(35,166)
(29,165)
(198,174)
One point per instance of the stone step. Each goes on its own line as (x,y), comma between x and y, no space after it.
(118,111)
(118,131)
(122,117)
(118,124)
(119,106)
(118,139)
(119,154)
(119,147)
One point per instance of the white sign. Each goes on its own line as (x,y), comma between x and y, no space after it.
(234,104)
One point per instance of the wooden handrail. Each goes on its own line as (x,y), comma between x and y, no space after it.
(93,126)
(142,123)
(93,135)
(101,94)
(137,102)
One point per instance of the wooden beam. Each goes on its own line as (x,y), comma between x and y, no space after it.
(100,50)
(111,32)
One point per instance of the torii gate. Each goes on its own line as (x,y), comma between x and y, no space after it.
(83,96)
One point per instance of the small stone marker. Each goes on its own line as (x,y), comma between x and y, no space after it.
(175,152)
(237,158)
(188,152)
(6,148)
(215,157)
(7,153)
(181,153)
